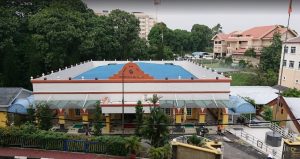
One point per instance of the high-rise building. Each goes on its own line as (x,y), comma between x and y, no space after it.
(291,64)
(146,22)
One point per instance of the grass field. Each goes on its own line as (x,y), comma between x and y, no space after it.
(243,79)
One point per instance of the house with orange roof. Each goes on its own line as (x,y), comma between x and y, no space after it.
(236,43)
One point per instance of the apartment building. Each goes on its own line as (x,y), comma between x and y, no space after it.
(291,63)
(237,42)
(146,22)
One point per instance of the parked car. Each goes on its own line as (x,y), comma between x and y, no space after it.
(208,57)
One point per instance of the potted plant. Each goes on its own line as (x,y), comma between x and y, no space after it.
(133,145)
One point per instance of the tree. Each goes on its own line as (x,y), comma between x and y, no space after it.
(125,28)
(97,119)
(268,113)
(31,114)
(195,140)
(228,61)
(250,52)
(291,93)
(270,56)
(133,144)
(216,29)
(155,127)
(160,152)
(44,116)
(139,112)
(201,37)
(242,63)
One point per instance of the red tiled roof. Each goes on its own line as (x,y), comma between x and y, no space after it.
(223,36)
(258,32)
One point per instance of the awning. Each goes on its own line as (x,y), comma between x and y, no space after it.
(21,105)
(65,104)
(194,103)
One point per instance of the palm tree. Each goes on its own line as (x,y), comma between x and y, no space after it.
(133,144)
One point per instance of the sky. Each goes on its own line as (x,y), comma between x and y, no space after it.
(231,14)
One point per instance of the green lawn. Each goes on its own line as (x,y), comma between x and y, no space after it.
(243,79)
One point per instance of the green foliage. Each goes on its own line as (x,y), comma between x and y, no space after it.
(243,79)
(44,116)
(217,29)
(31,114)
(228,61)
(155,127)
(268,113)
(201,37)
(195,140)
(133,144)
(250,52)
(242,63)
(160,152)
(111,145)
(250,100)
(139,112)
(270,56)
(291,93)
(97,119)
(268,78)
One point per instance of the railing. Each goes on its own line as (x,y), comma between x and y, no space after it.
(258,144)
(284,132)
(64,145)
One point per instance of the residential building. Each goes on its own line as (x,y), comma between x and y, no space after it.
(291,64)
(146,22)
(237,42)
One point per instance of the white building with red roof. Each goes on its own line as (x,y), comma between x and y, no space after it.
(237,42)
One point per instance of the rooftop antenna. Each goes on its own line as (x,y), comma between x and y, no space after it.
(156,3)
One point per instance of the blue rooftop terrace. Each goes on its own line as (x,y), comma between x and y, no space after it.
(158,71)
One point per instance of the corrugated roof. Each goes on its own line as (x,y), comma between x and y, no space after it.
(8,94)
(294,105)
(260,94)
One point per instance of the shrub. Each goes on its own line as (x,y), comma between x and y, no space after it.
(195,140)
(160,152)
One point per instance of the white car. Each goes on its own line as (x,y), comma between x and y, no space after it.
(208,57)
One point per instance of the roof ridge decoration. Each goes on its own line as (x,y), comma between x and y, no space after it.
(131,71)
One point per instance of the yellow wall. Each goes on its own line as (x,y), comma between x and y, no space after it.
(3,119)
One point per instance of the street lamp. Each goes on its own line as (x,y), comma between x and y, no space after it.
(123,101)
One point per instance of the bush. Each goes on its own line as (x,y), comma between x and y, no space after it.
(228,61)
(195,140)
(29,134)
(242,63)
(160,152)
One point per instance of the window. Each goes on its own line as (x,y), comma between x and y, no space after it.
(281,111)
(297,81)
(77,112)
(286,49)
(291,65)
(293,49)
(168,111)
(240,42)
(284,78)
(299,65)
(189,111)
(284,63)
(220,42)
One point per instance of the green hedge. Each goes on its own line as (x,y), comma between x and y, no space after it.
(29,136)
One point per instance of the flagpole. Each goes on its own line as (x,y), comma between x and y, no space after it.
(283,56)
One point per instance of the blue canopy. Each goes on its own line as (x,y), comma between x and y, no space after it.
(21,105)
(240,106)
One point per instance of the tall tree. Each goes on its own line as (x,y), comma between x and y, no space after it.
(97,119)
(201,37)
(216,29)
(139,112)
(44,116)
(270,56)
(125,29)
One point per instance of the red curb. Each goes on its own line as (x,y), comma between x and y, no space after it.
(37,153)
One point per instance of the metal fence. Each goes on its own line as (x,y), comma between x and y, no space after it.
(258,144)
(57,144)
